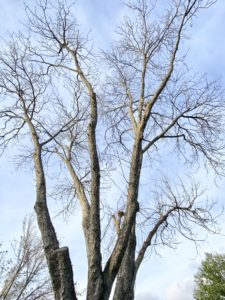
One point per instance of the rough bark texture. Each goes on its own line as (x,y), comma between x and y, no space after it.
(145,99)
(95,274)
(58,260)
(59,263)
(125,279)
(114,262)
(61,270)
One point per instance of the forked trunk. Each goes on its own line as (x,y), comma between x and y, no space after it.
(125,280)
(58,259)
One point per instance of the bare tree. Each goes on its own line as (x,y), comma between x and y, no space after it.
(26,276)
(4,263)
(148,99)
(26,88)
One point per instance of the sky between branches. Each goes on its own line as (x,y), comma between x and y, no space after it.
(165,277)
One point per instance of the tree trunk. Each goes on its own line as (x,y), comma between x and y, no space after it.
(62,274)
(58,259)
(125,280)
(114,262)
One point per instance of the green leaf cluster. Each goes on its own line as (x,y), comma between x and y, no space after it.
(210,279)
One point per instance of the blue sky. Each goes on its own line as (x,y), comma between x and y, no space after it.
(168,276)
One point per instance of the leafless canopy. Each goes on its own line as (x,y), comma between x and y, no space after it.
(97,128)
(26,276)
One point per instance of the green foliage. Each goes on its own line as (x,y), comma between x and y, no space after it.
(210,279)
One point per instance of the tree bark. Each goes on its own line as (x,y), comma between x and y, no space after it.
(58,259)
(113,265)
(62,274)
(125,279)
(59,264)
(95,284)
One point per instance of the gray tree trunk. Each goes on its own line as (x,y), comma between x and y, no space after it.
(125,280)
(58,259)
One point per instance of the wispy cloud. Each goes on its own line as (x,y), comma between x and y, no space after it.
(170,278)
(181,289)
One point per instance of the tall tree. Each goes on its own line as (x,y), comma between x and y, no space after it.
(56,91)
(210,279)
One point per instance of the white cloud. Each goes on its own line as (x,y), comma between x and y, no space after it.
(146,296)
(16,194)
(182,289)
